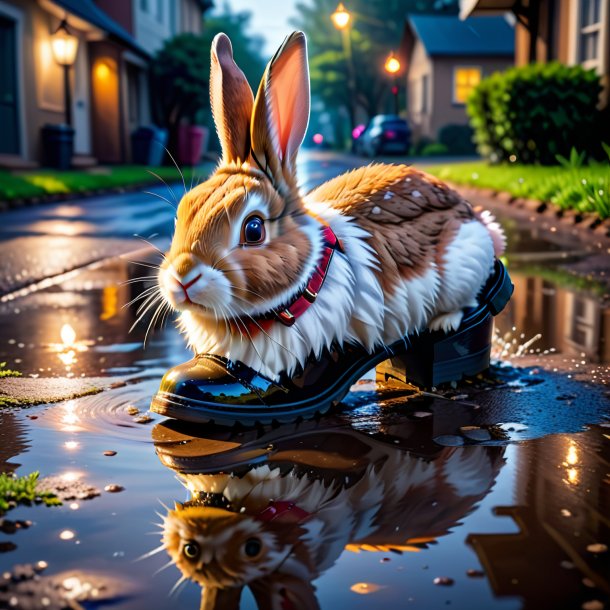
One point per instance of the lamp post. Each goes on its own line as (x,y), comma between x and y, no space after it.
(65,46)
(341,19)
(392,66)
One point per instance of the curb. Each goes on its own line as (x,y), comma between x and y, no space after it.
(588,225)
(12,204)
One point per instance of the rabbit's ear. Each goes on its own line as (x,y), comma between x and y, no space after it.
(281,111)
(231,98)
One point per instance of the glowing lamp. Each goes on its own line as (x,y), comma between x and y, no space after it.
(341,17)
(64,45)
(392,65)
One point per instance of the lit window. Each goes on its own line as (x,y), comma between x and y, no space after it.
(465,79)
(590,32)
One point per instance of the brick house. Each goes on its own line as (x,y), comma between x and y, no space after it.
(445,59)
(109,80)
(569,31)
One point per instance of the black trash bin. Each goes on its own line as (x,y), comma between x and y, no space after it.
(148,145)
(58,146)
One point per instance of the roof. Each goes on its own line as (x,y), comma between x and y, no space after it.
(90,12)
(480,7)
(449,35)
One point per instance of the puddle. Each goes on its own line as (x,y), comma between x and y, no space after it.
(485,495)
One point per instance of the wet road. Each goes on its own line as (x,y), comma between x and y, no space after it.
(498,488)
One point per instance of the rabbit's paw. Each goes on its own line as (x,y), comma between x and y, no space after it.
(446,321)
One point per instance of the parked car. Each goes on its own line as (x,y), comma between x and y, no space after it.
(384,134)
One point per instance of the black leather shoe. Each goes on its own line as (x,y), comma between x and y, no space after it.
(213,388)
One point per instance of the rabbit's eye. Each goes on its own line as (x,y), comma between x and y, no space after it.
(191,550)
(253,231)
(252,547)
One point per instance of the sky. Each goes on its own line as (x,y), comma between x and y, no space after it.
(269,18)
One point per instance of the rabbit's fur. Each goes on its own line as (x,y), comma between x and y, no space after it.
(414,252)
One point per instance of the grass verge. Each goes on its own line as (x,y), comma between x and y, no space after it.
(583,189)
(4,372)
(41,183)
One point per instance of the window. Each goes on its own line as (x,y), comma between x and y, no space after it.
(425,103)
(465,79)
(589,48)
(144,5)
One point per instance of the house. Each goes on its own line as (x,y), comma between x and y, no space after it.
(108,82)
(569,31)
(445,59)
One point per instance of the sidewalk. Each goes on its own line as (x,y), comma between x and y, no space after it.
(49,240)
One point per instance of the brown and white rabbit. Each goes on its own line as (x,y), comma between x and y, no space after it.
(413,252)
(400,502)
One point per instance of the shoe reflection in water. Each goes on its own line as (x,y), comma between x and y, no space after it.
(274,512)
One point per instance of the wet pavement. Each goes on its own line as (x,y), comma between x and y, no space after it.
(494,493)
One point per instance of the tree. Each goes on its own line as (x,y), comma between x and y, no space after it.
(375,30)
(181,70)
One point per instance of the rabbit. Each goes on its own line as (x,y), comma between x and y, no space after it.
(411,252)
(400,502)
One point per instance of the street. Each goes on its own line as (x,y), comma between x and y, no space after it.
(500,483)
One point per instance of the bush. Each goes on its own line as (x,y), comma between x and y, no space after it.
(180,73)
(434,149)
(533,113)
(458,139)
(419,145)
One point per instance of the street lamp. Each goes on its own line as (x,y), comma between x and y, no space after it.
(341,17)
(341,20)
(392,66)
(64,46)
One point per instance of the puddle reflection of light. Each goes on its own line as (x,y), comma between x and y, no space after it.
(71,475)
(364,588)
(69,346)
(68,335)
(571,463)
(110,302)
(74,506)
(572,457)
(71,445)
(68,358)
(67,535)
(70,418)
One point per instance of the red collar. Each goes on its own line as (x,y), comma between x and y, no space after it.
(303,300)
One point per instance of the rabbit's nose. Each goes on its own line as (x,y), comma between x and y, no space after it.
(184,282)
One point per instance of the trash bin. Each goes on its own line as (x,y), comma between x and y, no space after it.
(148,145)
(58,146)
(192,141)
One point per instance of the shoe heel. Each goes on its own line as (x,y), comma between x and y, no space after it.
(433,358)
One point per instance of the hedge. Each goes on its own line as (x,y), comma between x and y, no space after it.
(531,114)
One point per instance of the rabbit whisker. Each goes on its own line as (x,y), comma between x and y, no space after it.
(268,335)
(160,197)
(169,188)
(179,170)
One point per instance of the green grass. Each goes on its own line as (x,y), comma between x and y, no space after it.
(4,372)
(39,183)
(23,490)
(583,189)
